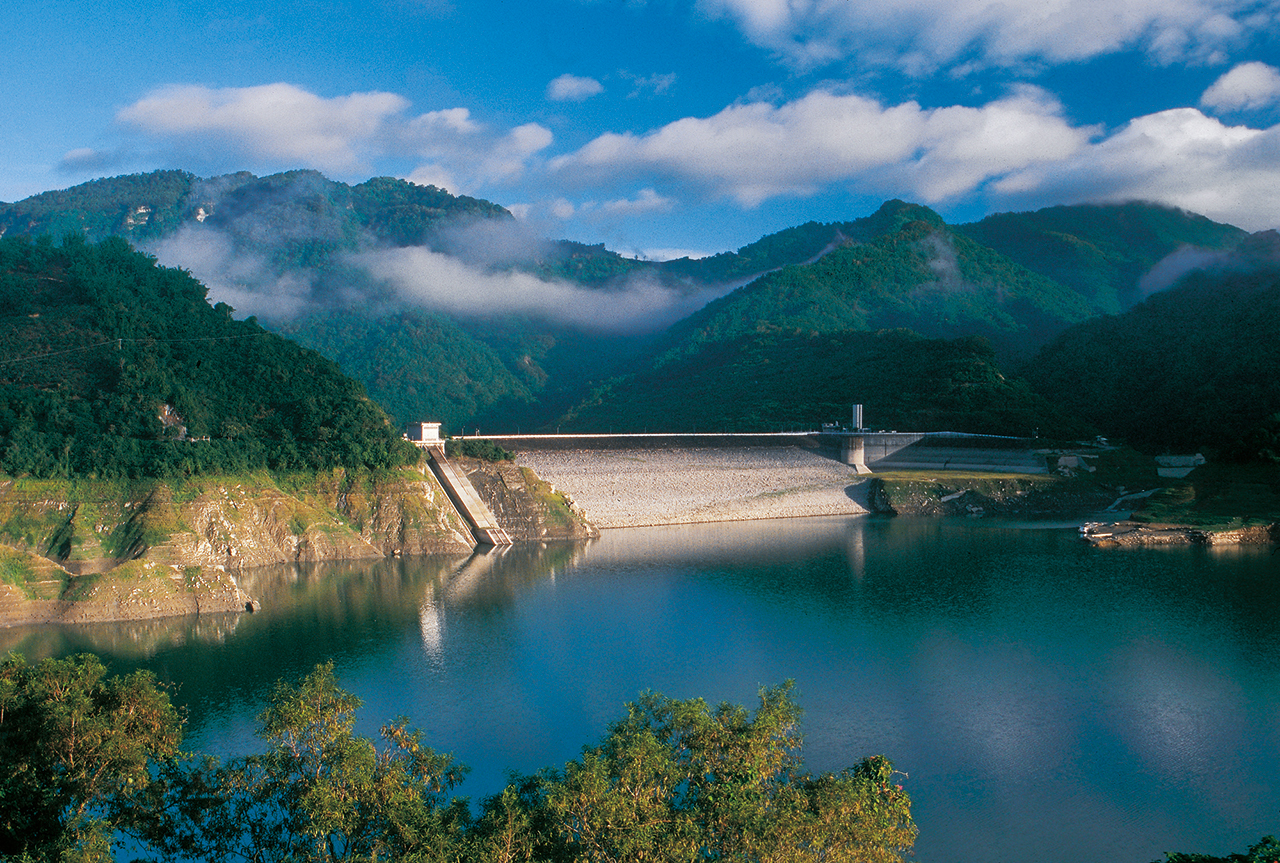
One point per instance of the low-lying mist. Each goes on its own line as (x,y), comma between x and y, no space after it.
(472,273)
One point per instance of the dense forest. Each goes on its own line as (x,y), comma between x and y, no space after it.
(915,273)
(113,366)
(1101,251)
(1192,367)
(778,380)
(799,313)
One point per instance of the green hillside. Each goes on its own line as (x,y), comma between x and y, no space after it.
(279,210)
(775,381)
(112,366)
(137,206)
(416,365)
(1016,280)
(1099,250)
(1192,368)
(910,271)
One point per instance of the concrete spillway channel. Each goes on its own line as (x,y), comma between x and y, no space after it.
(484,526)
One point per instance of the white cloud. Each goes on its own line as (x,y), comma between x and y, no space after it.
(279,125)
(562,208)
(571,88)
(433,175)
(424,278)
(648,201)
(1178,157)
(86,159)
(923,35)
(246,282)
(508,156)
(273,121)
(756,151)
(657,84)
(1247,86)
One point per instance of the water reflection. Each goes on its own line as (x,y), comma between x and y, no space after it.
(1011,670)
(134,639)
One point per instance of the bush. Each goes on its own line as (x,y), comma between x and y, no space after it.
(481,449)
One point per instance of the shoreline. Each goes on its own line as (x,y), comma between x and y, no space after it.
(1131,534)
(544,495)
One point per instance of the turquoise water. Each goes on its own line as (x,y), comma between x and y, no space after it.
(1048,701)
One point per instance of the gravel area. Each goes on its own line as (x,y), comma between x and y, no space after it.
(639,488)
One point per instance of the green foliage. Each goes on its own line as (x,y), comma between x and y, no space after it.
(1099,250)
(1193,368)
(405,214)
(915,274)
(140,206)
(672,781)
(1217,496)
(482,449)
(773,381)
(583,264)
(1265,850)
(417,365)
(112,366)
(679,780)
(76,746)
(320,792)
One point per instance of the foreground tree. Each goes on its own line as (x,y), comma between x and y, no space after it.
(319,793)
(75,750)
(88,757)
(1265,850)
(680,781)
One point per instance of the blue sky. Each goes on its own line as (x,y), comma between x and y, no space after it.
(665,126)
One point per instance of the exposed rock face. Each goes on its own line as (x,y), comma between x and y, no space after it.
(1133,533)
(89,551)
(1017,497)
(134,591)
(334,519)
(528,508)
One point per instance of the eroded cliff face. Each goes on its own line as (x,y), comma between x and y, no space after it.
(87,550)
(528,508)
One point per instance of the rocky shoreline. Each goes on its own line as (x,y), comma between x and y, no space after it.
(1131,534)
(89,553)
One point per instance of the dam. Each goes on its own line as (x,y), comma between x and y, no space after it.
(865,451)
(637,480)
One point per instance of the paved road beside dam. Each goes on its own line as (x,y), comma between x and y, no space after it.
(643,487)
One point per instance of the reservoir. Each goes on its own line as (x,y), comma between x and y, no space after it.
(1047,701)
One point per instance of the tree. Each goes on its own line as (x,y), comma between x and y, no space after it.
(319,793)
(76,747)
(680,781)
(672,781)
(1265,850)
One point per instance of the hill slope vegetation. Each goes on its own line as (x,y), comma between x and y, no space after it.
(1192,367)
(114,366)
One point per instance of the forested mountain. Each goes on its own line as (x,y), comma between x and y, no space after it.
(1194,367)
(1102,251)
(283,208)
(410,360)
(901,267)
(445,308)
(774,381)
(113,366)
